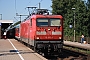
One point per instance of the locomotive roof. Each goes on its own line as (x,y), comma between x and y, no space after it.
(41,13)
(43,16)
(46,16)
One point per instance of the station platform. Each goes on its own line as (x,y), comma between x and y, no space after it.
(78,45)
(11,49)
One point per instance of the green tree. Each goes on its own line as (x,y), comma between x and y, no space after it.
(88,3)
(81,13)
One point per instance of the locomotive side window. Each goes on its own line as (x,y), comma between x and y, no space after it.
(55,22)
(42,22)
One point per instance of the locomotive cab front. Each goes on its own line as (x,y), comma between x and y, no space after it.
(49,33)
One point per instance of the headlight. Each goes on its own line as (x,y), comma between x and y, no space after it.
(59,37)
(48,29)
(37,37)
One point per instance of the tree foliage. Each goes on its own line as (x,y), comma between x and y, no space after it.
(81,15)
(88,3)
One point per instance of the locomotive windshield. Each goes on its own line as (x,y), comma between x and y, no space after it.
(48,22)
(55,22)
(42,22)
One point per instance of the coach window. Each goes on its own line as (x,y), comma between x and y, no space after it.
(31,22)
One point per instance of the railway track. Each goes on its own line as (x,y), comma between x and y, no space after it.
(68,55)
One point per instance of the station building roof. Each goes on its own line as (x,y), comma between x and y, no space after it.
(6,21)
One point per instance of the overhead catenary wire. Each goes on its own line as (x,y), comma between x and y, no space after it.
(16,12)
(39,4)
(27,3)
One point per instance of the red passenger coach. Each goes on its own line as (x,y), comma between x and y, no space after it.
(42,31)
(17,32)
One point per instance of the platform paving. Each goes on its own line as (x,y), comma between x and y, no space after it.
(77,44)
(11,49)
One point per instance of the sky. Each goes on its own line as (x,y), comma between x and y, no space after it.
(9,8)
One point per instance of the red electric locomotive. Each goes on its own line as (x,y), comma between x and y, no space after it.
(42,31)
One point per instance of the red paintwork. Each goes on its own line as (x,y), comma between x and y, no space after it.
(17,32)
(27,31)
